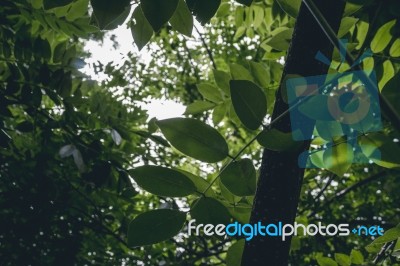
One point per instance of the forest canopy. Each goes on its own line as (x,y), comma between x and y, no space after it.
(88,177)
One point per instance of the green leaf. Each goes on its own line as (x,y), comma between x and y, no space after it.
(338,158)
(200,183)
(382,37)
(381,149)
(182,19)
(234,254)
(395,49)
(345,25)
(276,140)
(356,257)
(342,259)
(325,261)
(158,12)
(260,73)
(25,127)
(163,181)
(281,40)
(209,211)
(204,10)
(109,15)
(362,31)
(42,48)
(219,113)
(210,92)
(291,7)
(155,226)
(195,139)
(239,72)
(198,107)
(390,235)
(245,2)
(222,79)
(141,29)
(385,72)
(48,4)
(240,178)
(249,102)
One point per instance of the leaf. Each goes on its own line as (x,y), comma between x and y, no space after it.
(200,183)
(338,158)
(116,137)
(386,72)
(198,107)
(234,254)
(240,178)
(48,4)
(291,7)
(362,31)
(222,79)
(281,40)
(345,25)
(239,72)
(381,150)
(106,13)
(245,2)
(195,139)
(210,92)
(78,160)
(141,30)
(219,113)
(158,12)
(392,93)
(260,73)
(276,140)
(163,181)
(382,37)
(390,235)
(356,257)
(155,226)
(249,102)
(204,10)
(325,261)
(182,19)
(342,259)
(209,211)
(395,49)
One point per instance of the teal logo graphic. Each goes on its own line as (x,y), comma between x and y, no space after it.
(335,108)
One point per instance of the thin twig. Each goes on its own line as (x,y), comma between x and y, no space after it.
(210,55)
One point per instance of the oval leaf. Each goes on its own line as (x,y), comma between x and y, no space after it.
(158,12)
(182,20)
(276,140)
(155,226)
(234,254)
(163,181)
(106,13)
(204,10)
(382,37)
(195,139)
(210,211)
(141,30)
(338,158)
(249,103)
(240,178)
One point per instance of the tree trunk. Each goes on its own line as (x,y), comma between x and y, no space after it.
(280,179)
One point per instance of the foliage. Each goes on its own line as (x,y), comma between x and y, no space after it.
(85,177)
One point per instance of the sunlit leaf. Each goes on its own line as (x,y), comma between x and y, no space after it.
(182,19)
(382,37)
(338,158)
(198,107)
(195,139)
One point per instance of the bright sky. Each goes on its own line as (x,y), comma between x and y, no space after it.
(105,53)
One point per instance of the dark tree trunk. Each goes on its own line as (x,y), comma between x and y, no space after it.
(280,179)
